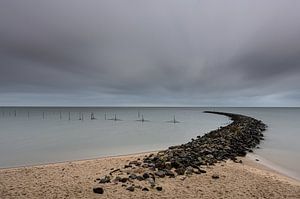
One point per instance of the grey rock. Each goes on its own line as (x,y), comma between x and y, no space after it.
(146,175)
(106,179)
(180,171)
(215,176)
(145,189)
(131,188)
(98,190)
(132,176)
(160,174)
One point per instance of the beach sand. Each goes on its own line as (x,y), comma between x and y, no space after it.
(76,179)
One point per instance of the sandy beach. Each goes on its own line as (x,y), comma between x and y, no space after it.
(76,179)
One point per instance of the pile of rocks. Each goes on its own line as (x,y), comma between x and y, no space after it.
(228,142)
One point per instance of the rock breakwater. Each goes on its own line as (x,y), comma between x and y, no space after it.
(228,142)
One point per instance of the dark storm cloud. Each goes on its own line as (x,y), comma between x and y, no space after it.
(152,53)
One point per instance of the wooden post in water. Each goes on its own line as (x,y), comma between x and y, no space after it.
(28,115)
(60,116)
(15,113)
(105,116)
(69,116)
(43,115)
(143,118)
(92,116)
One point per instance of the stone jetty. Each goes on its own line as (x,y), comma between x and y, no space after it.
(242,135)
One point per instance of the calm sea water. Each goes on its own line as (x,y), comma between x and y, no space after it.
(31,136)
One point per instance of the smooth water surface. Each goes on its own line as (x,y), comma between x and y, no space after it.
(41,135)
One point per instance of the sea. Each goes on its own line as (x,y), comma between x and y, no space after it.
(41,135)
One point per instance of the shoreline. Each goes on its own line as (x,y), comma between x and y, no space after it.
(262,163)
(272,166)
(76,179)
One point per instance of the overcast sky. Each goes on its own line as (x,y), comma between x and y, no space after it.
(153,53)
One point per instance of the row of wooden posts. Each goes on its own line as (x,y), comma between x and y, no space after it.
(92,116)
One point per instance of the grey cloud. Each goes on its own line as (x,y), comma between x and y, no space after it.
(157,52)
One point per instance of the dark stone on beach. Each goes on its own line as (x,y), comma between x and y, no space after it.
(98,190)
(215,176)
(159,188)
(136,163)
(146,175)
(145,189)
(131,188)
(160,174)
(123,180)
(189,170)
(168,165)
(151,181)
(180,171)
(132,176)
(257,160)
(106,179)
(140,178)
(169,173)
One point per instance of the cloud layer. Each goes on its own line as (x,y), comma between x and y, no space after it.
(169,52)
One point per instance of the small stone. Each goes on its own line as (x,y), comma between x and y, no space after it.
(180,171)
(98,190)
(159,188)
(145,189)
(132,176)
(257,160)
(168,165)
(106,179)
(189,171)
(169,173)
(136,163)
(131,188)
(160,174)
(123,180)
(146,175)
(140,178)
(215,176)
(151,181)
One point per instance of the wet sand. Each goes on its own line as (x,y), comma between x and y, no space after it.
(76,179)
